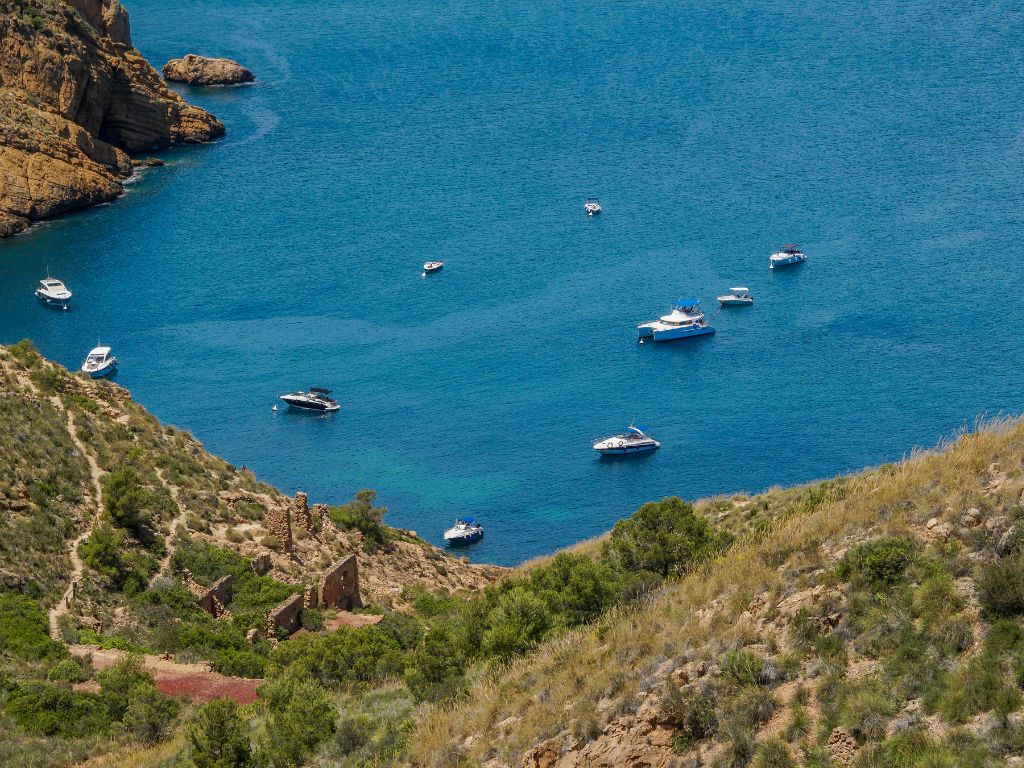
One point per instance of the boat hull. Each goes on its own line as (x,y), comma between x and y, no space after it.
(736,302)
(461,541)
(626,450)
(312,407)
(787,262)
(100,373)
(52,301)
(677,334)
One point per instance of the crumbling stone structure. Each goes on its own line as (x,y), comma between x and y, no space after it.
(339,587)
(261,563)
(318,514)
(288,615)
(309,596)
(215,599)
(300,511)
(279,525)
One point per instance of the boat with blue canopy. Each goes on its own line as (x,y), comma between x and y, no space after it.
(465,531)
(683,321)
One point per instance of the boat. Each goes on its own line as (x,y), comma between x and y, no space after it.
(633,440)
(786,255)
(592,206)
(99,362)
(737,297)
(432,266)
(465,531)
(317,399)
(53,293)
(685,320)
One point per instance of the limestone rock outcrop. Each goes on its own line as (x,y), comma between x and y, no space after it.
(75,97)
(201,70)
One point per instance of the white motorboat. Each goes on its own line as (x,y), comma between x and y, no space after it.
(592,206)
(685,320)
(53,293)
(789,253)
(633,440)
(737,297)
(99,363)
(465,531)
(432,266)
(317,399)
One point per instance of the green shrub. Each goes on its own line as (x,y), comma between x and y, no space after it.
(880,563)
(24,630)
(49,710)
(866,708)
(435,668)
(362,515)
(345,657)
(746,668)
(662,537)
(693,716)
(516,624)
(773,754)
(301,716)
(68,671)
(1001,587)
(219,737)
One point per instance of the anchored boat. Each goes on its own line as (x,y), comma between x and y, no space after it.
(685,320)
(99,363)
(737,297)
(465,531)
(592,206)
(317,399)
(53,293)
(633,440)
(788,254)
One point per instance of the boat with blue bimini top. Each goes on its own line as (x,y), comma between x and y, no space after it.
(788,254)
(465,531)
(99,362)
(685,320)
(317,399)
(53,293)
(633,440)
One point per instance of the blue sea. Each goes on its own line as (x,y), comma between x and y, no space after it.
(887,138)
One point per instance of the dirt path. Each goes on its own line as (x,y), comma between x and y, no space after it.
(165,562)
(175,678)
(95,475)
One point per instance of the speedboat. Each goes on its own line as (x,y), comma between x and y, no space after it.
(99,363)
(786,255)
(737,297)
(633,440)
(53,293)
(465,531)
(317,399)
(432,266)
(592,207)
(685,320)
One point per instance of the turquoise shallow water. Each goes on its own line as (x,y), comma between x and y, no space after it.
(885,139)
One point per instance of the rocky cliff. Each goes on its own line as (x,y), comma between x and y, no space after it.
(75,98)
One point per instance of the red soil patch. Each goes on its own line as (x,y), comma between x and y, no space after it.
(346,619)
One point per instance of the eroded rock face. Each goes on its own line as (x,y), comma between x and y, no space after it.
(200,70)
(75,96)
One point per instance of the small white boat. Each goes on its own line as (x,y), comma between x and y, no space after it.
(737,297)
(786,255)
(685,320)
(592,206)
(53,293)
(317,399)
(432,266)
(99,363)
(633,440)
(465,531)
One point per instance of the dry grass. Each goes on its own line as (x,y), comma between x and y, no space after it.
(560,686)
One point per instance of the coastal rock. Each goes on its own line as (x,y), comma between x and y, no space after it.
(200,70)
(75,97)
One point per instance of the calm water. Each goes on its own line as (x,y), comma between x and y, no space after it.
(886,139)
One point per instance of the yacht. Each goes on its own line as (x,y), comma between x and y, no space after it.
(685,320)
(592,206)
(737,297)
(53,293)
(317,399)
(786,255)
(432,266)
(633,440)
(465,531)
(99,363)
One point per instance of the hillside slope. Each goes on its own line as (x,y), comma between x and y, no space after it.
(875,620)
(75,97)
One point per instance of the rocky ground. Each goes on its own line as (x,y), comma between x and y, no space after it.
(75,98)
(201,70)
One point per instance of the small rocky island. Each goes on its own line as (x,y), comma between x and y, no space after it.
(201,70)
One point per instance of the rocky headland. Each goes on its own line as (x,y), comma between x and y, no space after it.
(201,70)
(75,98)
